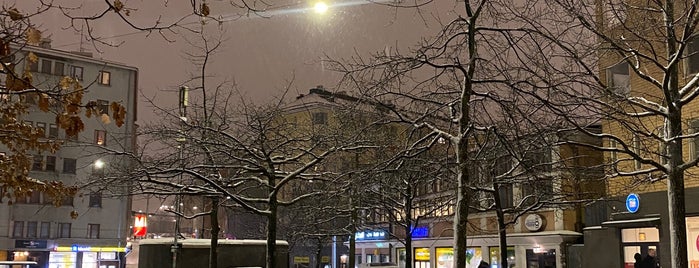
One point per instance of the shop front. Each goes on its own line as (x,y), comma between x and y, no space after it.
(640,225)
(81,256)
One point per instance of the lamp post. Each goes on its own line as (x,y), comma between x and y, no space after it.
(183,103)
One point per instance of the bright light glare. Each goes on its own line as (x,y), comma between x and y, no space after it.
(320,7)
(99,164)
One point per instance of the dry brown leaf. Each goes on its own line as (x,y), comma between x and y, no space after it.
(15,14)
(205,9)
(105,119)
(33,36)
(31,57)
(118,6)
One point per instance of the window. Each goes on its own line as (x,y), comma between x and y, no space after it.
(76,72)
(320,118)
(538,160)
(32,66)
(35,197)
(613,156)
(100,137)
(536,190)
(63,230)
(45,231)
(694,143)
(18,229)
(58,68)
(104,78)
(40,126)
(103,106)
(95,200)
(37,165)
(46,66)
(506,195)
(50,163)
(93,231)
(67,201)
(637,150)
(69,165)
(53,131)
(31,229)
(693,56)
(618,79)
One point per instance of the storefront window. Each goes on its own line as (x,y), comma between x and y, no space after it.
(445,257)
(638,241)
(401,257)
(63,260)
(474,256)
(495,256)
(422,257)
(693,241)
(89,260)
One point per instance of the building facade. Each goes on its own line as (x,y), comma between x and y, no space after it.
(91,228)
(539,238)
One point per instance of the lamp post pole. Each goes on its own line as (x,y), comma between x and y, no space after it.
(183,103)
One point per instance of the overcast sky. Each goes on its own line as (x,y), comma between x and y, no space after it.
(262,55)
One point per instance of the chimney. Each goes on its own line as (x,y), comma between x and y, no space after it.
(45,43)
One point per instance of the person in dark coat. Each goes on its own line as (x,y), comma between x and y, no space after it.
(639,260)
(650,261)
(483,264)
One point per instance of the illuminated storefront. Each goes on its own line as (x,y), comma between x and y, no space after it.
(82,256)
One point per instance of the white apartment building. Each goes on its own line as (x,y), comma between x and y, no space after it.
(91,229)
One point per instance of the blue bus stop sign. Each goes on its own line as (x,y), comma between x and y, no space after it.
(632,203)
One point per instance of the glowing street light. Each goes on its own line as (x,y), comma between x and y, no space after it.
(99,164)
(320,7)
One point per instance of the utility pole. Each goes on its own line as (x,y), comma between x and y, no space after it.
(183,103)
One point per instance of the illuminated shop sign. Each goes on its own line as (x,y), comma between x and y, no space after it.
(422,254)
(87,248)
(371,235)
(140,225)
(30,244)
(420,232)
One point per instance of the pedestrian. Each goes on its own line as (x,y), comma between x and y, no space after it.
(639,260)
(651,261)
(483,264)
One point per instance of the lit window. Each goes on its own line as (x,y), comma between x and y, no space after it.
(93,231)
(104,78)
(100,137)
(76,72)
(64,230)
(69,165)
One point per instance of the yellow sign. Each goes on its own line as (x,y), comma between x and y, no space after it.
(422,254)
(325,259)
(302,259)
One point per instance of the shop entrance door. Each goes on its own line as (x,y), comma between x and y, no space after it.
(641,241)
(541,259)
(630,249)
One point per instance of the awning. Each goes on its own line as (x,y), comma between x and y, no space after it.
(633,223)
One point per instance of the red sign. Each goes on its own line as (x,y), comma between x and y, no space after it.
(140,225)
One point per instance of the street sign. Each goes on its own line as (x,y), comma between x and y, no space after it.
(633,202)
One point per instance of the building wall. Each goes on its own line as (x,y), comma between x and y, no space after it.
(114,213)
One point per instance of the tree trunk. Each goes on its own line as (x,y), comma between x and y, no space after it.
(502,227)
(353,232)
(408,246)
(318,251)
(272,234)
(213,252)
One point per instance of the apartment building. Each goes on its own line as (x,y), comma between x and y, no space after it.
(637,219)
(540,237)
(91,228)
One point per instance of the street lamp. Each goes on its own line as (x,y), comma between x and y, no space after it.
(320,7)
